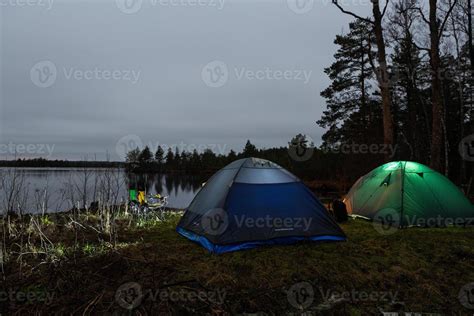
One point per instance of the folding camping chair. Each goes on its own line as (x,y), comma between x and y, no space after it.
(145,205)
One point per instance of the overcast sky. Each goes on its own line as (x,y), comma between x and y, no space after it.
(86,78)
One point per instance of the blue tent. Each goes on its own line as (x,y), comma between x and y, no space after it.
(253,202)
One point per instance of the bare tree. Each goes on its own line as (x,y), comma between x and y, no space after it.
(408,76)
(438,110)
(460,34)
(42,197)
(467,6)
(13,191)
(471,49)
(438,135)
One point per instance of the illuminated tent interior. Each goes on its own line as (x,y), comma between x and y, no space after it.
(410,191)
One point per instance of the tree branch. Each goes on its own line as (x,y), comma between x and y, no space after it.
(385,8)
(443,25)
(351,13)
(422,14)
(371,59)
(422,48)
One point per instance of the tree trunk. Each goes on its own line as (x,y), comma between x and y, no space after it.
(471,49)
(363,103)
(411,92)
(437,135)
(471,55)
(383,77)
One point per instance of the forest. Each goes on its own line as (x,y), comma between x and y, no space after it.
(403,77)
(400,87)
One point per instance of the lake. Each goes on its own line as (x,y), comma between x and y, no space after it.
(34,190)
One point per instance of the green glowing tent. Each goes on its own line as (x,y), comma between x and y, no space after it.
(410,194)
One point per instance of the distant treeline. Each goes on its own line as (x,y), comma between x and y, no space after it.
(45,163)
(309,164)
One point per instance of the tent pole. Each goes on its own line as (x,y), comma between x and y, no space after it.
(402,193)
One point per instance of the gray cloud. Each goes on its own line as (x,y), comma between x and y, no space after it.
(168,46)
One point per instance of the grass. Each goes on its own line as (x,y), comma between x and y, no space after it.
(412,270)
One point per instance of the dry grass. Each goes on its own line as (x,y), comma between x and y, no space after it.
(424,268)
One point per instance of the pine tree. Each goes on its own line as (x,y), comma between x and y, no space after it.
(145,155)
(231,156)
(169,159)
(160,156)
(177,159)
(133,156)
(195,161)
(249,150)
(185,160)
(209,159)
(381,71)
(352,114)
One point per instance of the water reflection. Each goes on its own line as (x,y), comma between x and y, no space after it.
(174,186)
(59,189)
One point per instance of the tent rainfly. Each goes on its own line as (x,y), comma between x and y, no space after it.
(253,202)
(410,193)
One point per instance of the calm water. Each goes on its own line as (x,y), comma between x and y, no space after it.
(58,189)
